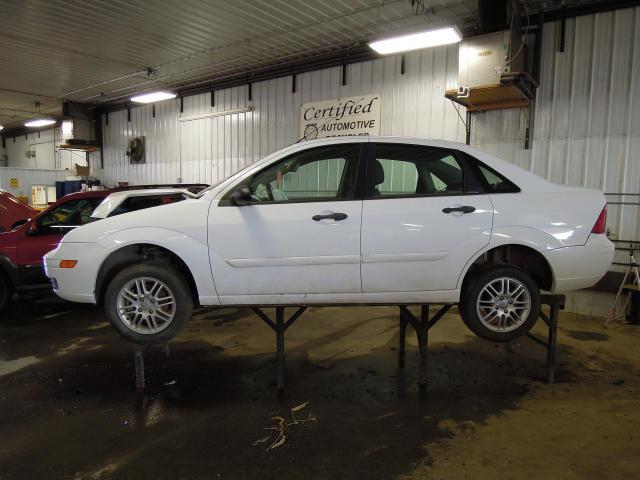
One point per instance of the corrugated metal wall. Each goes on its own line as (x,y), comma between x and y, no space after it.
(27,177)
(47,156)
(587,116)
(210,149)
(587,120)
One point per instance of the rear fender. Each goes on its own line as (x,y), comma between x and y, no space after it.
(525,236)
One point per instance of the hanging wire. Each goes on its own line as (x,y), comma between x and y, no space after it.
(524,36)
(458,112)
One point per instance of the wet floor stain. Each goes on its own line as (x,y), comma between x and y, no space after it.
(209,409)
(587,336)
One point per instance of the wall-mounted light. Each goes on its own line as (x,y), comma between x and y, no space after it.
(39,122)
(417,41)
(152,97)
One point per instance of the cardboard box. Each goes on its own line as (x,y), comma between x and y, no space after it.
(82,171)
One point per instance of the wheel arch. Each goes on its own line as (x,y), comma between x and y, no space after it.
(140,252)
(9,270)
(523,256)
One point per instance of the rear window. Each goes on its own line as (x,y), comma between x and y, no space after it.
(494,182)
(132,204)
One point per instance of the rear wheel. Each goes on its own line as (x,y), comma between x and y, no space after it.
(500,304)
(148,303)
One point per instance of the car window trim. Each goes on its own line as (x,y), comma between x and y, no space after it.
(475,164)
(356,194)
(469,177)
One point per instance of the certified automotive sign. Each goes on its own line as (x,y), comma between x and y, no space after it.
(343,116)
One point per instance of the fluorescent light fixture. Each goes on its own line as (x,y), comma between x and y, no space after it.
(39,122)
(153,97)
(218,114)
(1,127)
(416,41)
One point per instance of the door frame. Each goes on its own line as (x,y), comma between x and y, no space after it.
(472,184)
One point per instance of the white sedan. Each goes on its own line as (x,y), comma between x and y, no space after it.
(354,220)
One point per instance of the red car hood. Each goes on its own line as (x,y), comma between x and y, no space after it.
(12,210)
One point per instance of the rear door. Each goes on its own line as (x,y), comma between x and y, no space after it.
(424,216)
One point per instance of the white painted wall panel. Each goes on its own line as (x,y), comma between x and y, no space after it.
(44,143)
(27,177)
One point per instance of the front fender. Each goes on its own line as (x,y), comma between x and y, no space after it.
(192,252)
(515,235)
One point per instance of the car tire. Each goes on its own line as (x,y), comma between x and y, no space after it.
(148,303)
(6,292)
(500,304)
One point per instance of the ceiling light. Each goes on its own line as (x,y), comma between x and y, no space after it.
(153,97)
(416,41)
(40,122)
(1,127)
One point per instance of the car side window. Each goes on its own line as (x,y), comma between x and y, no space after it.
(317,174)
(134,203)
(67,215)
(495,182)
(414,170)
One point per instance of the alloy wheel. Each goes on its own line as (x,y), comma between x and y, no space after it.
(146,305)
(503,304)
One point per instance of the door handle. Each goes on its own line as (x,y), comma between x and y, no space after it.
(335,216)
(462,209)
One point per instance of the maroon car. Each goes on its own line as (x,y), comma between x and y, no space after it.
(12,211)
(22,249)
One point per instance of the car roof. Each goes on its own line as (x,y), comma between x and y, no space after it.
(87,194)
(147,192)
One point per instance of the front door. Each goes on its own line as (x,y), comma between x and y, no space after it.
(422,220)
(299,235)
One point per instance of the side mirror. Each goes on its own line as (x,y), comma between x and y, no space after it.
(241,196)
(32,229)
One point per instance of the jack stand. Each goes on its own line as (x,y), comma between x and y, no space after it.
(421,328)
(279,326)
(138,358)
(556,303)
(634,286)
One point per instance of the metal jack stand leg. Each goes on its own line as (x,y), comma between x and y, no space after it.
(556,303)
(421,328)
(138,357)
(138,361)
(279,326)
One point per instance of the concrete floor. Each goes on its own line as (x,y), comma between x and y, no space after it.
(68,408)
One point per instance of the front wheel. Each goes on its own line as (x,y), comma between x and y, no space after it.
(148,303)
(6,292)
(500,304)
